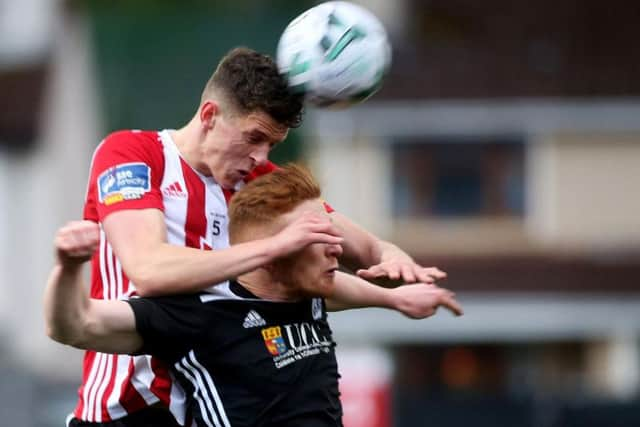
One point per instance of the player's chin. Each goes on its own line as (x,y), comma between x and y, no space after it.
(324,286)
(231,179)
(229,183)
(328,285)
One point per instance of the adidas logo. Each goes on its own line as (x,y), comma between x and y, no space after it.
(174,190)
(252,320)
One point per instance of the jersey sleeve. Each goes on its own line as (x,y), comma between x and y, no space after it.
(261,170)
(327,207)
(168,325)
(126,173)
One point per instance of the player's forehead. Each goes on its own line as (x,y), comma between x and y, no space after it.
(252,230)
(312,205)
(259,122)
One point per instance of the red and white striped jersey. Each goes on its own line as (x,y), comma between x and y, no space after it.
(139,170)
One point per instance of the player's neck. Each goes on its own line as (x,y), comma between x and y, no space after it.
(187,140)
(261,284)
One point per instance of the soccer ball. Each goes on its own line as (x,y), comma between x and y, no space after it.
(336,54)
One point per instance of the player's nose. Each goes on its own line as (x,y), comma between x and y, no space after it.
(334,250)
(260,156)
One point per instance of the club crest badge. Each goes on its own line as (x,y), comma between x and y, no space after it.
(316,308)
(274,341)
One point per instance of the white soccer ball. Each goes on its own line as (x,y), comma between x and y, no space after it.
(336,53)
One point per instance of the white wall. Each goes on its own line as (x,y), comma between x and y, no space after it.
(42,192)
(581,163)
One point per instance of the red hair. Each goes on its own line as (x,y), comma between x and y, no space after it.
(264,199)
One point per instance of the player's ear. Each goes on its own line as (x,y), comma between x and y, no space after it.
(208,113)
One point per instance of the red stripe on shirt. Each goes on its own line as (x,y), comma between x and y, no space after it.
(130,399)
(89,358)
(161,384)
(196,216)
(107,392)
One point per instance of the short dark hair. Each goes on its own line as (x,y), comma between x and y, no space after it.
(249,81)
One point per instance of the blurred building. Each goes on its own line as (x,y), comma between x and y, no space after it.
(504,148)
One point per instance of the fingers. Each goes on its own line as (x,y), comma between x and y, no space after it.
(449,302)
(371,272)
(325,228)
(418,301)
(322,231)
(318,223)
(77,240)
(309,228)
(428,275)
(405,271)
(325,238)
(390,270)
(408,274)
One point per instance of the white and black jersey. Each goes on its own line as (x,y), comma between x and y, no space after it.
(244,361)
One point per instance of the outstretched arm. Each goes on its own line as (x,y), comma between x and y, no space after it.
(139,239)
(72,317)
(416,301)
(377,260)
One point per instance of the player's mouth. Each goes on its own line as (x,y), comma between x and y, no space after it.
(331,271)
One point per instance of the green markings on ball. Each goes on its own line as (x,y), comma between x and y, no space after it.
(353,33)
(361,96)
(298,67)
(334,48)
(336,55)
(334,20)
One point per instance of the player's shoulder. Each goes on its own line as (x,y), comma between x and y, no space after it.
(177,300)
(122,140)
(130,145)
(129,136)
(184,306)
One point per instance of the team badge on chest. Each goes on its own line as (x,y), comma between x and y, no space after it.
(274,341)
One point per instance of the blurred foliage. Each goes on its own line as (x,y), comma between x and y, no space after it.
(153,57)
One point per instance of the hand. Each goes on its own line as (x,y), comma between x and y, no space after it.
(76,242)
(419,301)
(406,271)
(311,227)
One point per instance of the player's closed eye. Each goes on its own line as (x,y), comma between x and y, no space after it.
(256,137)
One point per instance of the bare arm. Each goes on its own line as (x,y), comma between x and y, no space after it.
(416,301)
(377,260)
(72,317)
(156,267)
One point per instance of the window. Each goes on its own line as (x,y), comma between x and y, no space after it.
(453,178)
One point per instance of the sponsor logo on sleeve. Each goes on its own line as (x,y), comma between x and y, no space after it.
(127,181)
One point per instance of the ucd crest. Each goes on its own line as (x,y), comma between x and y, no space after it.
(316,308)
(273,340)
